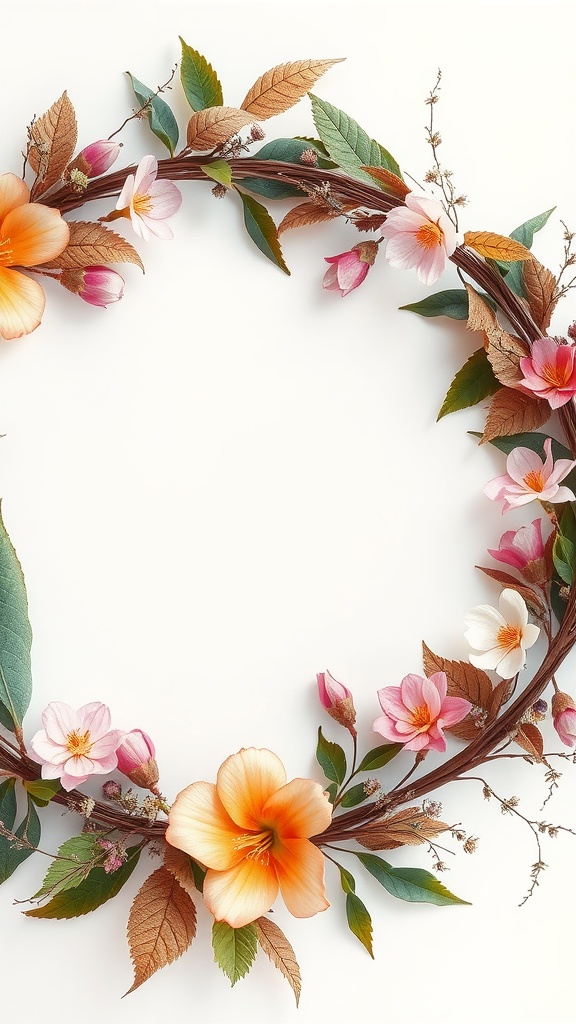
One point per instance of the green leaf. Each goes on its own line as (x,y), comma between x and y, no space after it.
(359,921)
(160,118)
(379,756)
(473,382)
(262,230)
(286,150)
(234,949)
(568,522)
(564,558)
(347,880)
(354,796)
(220,171)
(530,439)
(97,888)
(411,884)
(526,231)
(347,143)
(73,864)
(331,759)
(332,790)
(15,637)
(41,791)
(10,855)
(199,874)
(199,80)
(453,303)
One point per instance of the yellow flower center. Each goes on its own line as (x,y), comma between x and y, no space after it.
(509,637)
(534,480)
(79,744)
(555,375)
(420,716)
(429,235)
(256,844)
(6,253)
(141,205)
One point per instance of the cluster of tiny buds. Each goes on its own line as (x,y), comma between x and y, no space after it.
(77,180)
(550,830)
(116,854)
(85,806)
(536,713)
(432,808)
(439,865)
(479,716)
(371,786)
(309,157)
(219,191)
(572,331)
(469,843)
(507,806)
(257,133)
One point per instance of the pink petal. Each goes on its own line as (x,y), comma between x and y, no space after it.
(145,174)
(59,720)
(522,461)
(454,709)
(127,193)
(167,199)
(412,689)
(96,718)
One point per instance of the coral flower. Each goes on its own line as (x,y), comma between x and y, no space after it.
(417,711)
(421,235)
(527,477)
(75,744)
(147,201)
(502,635)
(349,269)
(30,234)
(550,371)
(251,830)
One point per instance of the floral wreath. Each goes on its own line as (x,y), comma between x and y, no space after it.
(239,843)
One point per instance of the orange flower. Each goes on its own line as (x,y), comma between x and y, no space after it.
(251,830)
(30,234)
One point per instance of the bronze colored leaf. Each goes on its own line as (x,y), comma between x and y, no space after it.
(280,88)
(178,864)
(504,350)
(390,182)
(161,925)
(530,739)
(53,141)
(309,213)
(496,247)
(276,946)
(371,222)
(215,125)
(409,827)
(91,244)
(464,680)
(529,595)
(540,290)
(500,695)
(513,412)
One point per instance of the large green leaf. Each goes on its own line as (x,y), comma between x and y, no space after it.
(97,888)
(199,80)
(379,756)
(347,143)
(234,949)
(524,233)
(29,828)
(331,759)
(15,637)
(262,230)
(411,884)
(473,382)
(160,118)
(564,558)
(73,864)
(452,302)
(287,151)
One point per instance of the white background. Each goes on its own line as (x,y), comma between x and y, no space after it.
(232,480)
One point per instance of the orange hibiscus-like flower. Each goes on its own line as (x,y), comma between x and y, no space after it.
(30,234)
(252,830)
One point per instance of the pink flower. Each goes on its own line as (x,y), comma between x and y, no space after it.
(416,712)
(96,158)
(337,699)
(147,201)
(524,550)
(349,269)
(550,371)
(527,478)
(564,717)
(75,744)
(136,759)
(421,235)
(97,285)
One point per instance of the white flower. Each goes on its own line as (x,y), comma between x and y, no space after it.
(502,635)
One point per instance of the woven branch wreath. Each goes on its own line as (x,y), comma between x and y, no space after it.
(239,843)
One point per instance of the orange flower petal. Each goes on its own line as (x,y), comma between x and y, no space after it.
(246,781)
(13,192)
(37,234)
(299,810)
(199,825)
(22,304)
(300,871)
(243,893)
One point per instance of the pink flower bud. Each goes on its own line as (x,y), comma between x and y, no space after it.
(337,699)
(96,158)
(524,550)
(97,285)
(136,759)
(564,717)
(349,269)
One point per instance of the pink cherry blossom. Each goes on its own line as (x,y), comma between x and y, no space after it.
(564,717)
(75,744)
(337,699)
(527,477)
(147,201)
(550,371)
(349,269)
(416,712)
(419,234)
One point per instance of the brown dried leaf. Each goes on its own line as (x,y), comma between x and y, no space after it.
(496,247)
(91,244)
(530,739)
(464,680)
(504,350)
(390,181)
(276,946)
(500,695)
(409,827)
(513,412)
(309,213)
(540,290)
(529,595)
(214,125)
(161,925)
(371,222)
(179,865)
(280,88)
(53,141)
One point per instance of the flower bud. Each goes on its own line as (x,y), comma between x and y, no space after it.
(564,717)
(97,285)
(96,158)
(111,790)
(337,699)
(349,269)
(136,759)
